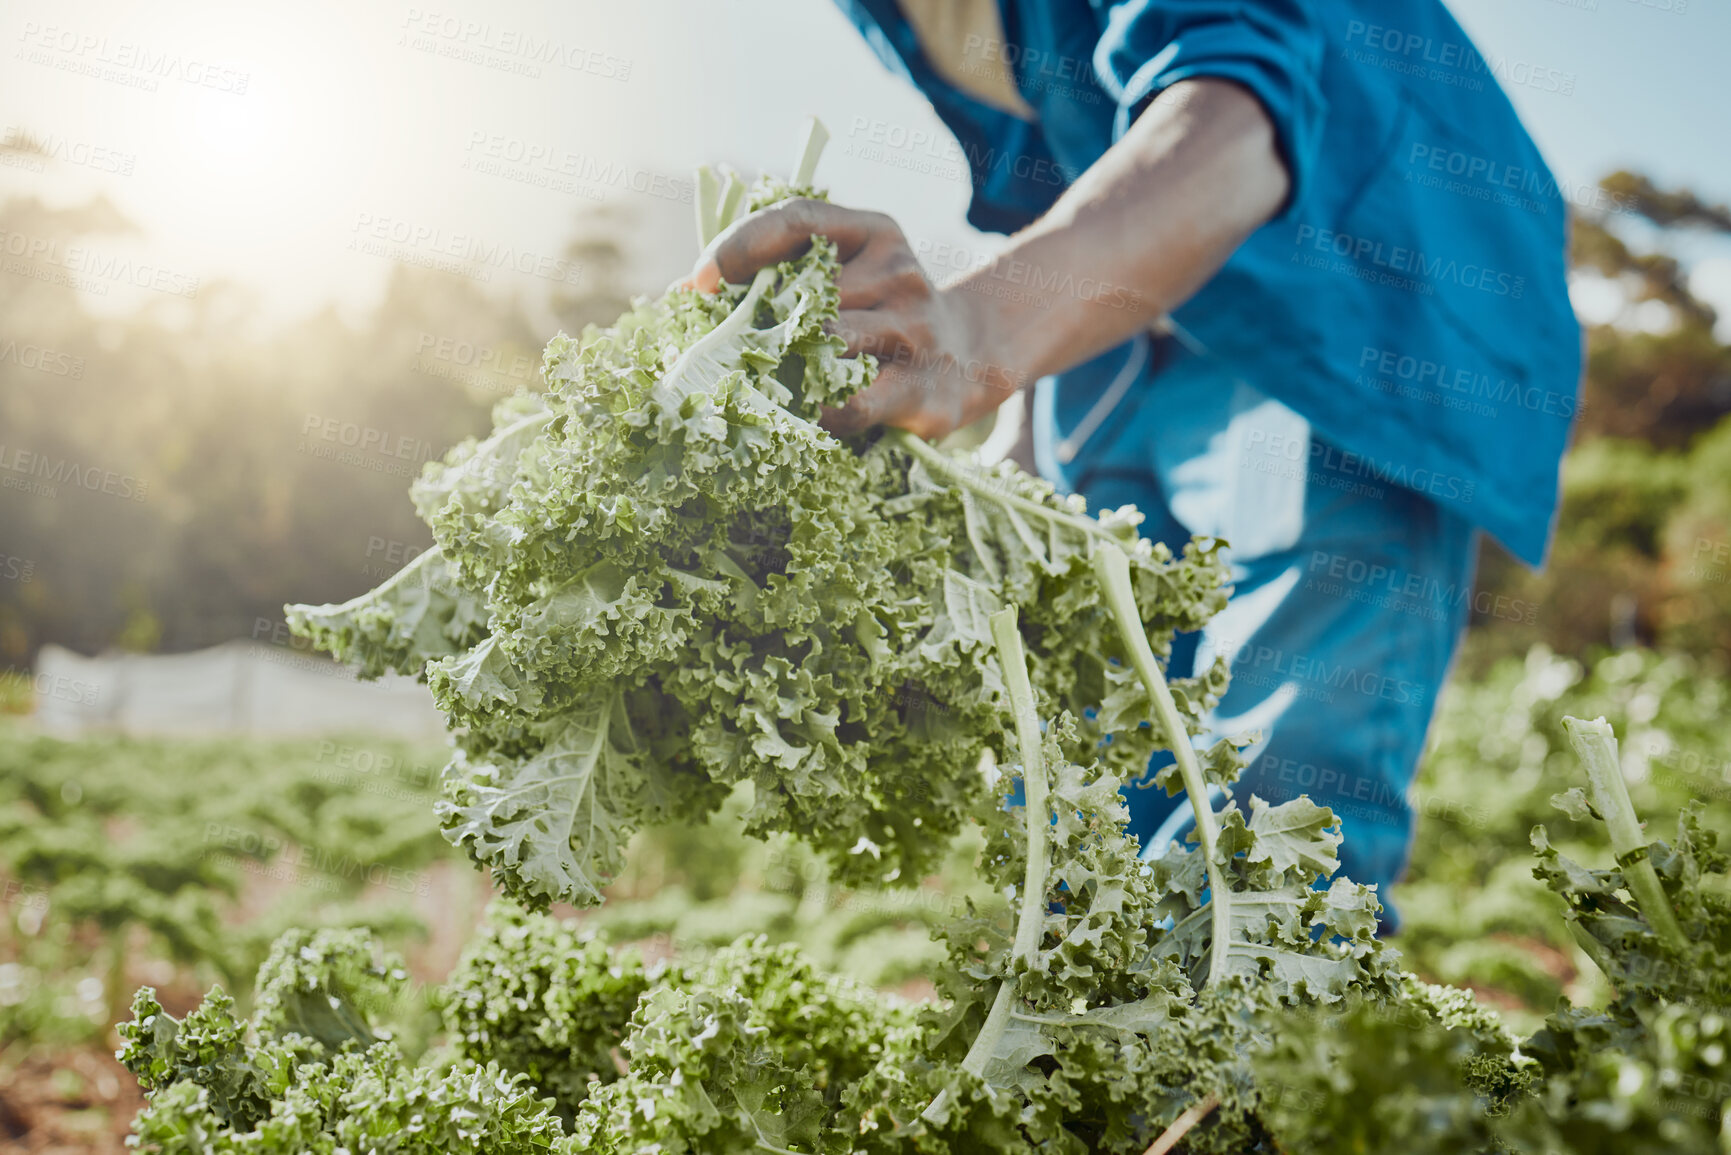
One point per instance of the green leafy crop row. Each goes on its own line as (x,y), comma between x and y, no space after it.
(154,846)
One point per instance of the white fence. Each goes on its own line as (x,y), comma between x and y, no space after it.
(240,687)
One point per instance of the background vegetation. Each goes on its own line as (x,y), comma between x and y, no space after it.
(1643,546)
(176,863)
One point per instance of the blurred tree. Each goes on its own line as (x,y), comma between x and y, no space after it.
(1645,489)
(599,296)
(1663,388)
(243,470)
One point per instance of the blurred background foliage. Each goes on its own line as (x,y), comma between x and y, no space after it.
(223,425)
(1642,553)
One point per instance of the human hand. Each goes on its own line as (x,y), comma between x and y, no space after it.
(936,372)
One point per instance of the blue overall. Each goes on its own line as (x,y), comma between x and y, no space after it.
(1385,368)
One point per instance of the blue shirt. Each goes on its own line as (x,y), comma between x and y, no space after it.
(1410,299)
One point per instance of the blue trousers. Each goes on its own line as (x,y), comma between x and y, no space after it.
(1349,592)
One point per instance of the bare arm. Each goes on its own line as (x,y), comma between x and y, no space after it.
(1132,239)
(1152,220)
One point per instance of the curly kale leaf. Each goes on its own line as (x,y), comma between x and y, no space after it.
(331,986)
(359,1101)
(311,1073)
(555,823)
(1427,1071)
(1306,942)
(662,578)
(208,1050)
(536,996)
(750,1049)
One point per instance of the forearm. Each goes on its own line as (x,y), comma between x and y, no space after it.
(1134,237)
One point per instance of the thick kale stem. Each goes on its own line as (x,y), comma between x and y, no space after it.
(1031,918)
(1182,1125)
(708,204)
(1034,785)
(813,136)
(1113,570)
(1594,949)
(997,1022)
(732,193)
(939,462)
(1596,745)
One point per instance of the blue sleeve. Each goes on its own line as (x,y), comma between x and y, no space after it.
(1272,47)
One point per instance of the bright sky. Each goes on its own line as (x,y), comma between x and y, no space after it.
(301,148)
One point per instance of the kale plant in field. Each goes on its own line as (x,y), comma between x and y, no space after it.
(539,999)
(315,1070)
(1473,914)
(1086,1021)
(1649,1072)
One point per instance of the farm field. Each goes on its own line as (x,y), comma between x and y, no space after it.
(191,912)
(789,646)
(792,770)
